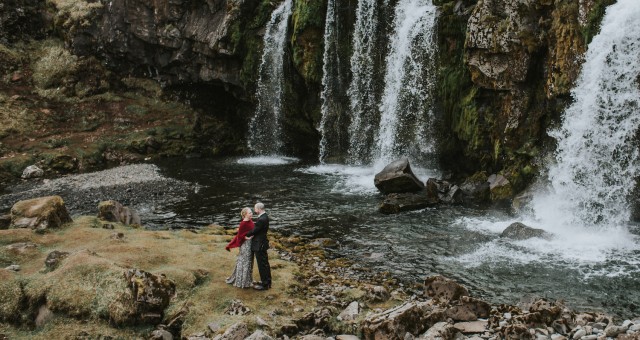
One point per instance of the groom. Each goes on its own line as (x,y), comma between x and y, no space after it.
(259,246)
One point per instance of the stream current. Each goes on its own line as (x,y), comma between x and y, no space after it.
(340,202)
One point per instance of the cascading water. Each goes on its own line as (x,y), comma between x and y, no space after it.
(361,90)
(265,137)
(584,206)
(331,122)
(406,102)
(597,157)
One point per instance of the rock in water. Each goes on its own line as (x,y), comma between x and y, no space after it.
(519,231)
(397,177)
(113,211)
(395,203)
(40,213)
(32,171)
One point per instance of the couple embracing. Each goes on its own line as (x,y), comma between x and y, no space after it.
(252,241)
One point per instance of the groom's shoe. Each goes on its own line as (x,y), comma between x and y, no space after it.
(261,287)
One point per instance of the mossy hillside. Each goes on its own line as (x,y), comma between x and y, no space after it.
(89,284)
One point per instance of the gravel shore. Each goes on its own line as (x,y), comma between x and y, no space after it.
(130,185)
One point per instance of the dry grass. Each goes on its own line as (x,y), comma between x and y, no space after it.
(54,64)
(75,11)
(88,285)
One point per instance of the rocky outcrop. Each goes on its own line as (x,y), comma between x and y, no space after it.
(520,61)
(113,211)
(40,213)
(519,231)
(151,295)
(397,177)
(444,289)
(410,317)
(395,203)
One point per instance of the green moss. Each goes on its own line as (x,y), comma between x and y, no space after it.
(594,18)
(307,38)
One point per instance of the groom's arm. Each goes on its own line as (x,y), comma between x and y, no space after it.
(259,227)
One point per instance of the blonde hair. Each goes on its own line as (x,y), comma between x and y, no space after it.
(245,211)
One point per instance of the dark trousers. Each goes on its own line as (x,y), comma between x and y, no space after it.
(263,267)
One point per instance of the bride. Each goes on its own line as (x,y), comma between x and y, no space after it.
(242,273)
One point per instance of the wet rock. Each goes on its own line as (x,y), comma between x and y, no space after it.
(54,258)
(468,309)
(160,334)
(259,335)
(475,190)
(238,331)
(376,293)
(413,317)
(32,171)
(5,221)
(499,187)
(113,211)
(40,213)
(395,203)
(351,312)
(325,243)
(519,231)
(445,191)
(440,331)
(471,326)
(444,289)
(397,177)
(237,308)
(151,293)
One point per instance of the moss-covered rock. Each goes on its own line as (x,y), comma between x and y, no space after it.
(307,38)
(40,213)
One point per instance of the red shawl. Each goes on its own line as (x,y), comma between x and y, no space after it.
(243,229)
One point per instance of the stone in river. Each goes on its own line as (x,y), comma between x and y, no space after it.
(395,203)
(397,177)
(520,231)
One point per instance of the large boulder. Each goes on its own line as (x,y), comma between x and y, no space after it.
(476,189)
(443,289)
(151,293)
(395,203)
(113,211)
(40,213)
(447,192)
(397,177)
(468,309)
(519,231)
(412,317)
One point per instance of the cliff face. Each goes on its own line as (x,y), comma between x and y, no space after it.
(506,71)
(505,67)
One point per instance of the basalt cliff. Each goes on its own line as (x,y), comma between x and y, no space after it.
(91,83)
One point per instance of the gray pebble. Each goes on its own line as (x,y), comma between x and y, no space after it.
(579,334)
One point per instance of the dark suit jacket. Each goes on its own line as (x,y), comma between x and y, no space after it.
(259,233)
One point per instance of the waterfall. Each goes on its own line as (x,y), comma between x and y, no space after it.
(265,135)
(409,78)
(331,121)
(597,157)
(363,107)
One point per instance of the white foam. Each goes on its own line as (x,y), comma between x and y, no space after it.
(351,179)
(268,160)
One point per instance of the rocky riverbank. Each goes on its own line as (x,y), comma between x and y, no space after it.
(95,279)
